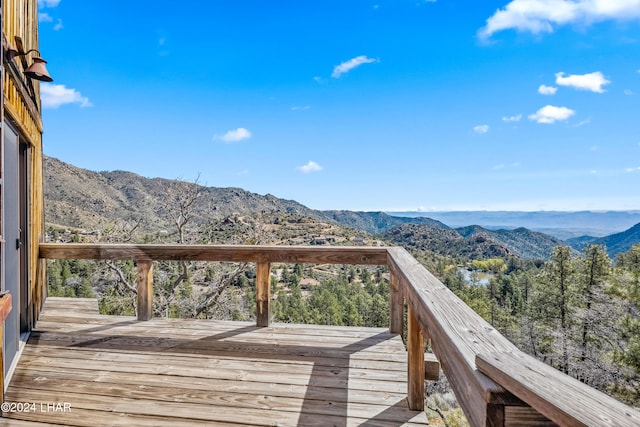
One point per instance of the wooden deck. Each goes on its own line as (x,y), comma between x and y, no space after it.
(113,370)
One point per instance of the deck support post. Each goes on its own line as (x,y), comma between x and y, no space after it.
(263,293)
(396,309)
(415,352)
(144,279)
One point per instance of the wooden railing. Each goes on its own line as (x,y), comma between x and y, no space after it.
(495,383)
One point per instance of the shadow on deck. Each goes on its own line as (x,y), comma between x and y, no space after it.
(113,370)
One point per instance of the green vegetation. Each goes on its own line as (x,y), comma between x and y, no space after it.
(356,297)
(578,313)
(70,278)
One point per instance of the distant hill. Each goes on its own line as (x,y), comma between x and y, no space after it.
(563,225)
(615,243)
(444,242)
(81,198)
(525,243)
(474,242)
(376,222)
(84,199)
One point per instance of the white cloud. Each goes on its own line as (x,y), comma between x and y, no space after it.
(44,17)
(591,81)
(498,167)
(349,65)
(481,129)
(628,92)
(58,25)
(300,107)
(53,96)
(510,119)
(630,170)
(550,114)
(48,3)
(542,16)
(234,135)
(547,90)
(310,167)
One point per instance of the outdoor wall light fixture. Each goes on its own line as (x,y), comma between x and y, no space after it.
(37,70)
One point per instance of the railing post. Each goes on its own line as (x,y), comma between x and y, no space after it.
(144,279)
(415,351)
(263,293)
(396,308)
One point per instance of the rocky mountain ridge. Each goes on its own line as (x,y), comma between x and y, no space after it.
(94,201)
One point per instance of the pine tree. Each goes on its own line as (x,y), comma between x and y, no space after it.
(594,311)
(551,307)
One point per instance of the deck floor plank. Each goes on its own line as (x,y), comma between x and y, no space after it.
(114,370)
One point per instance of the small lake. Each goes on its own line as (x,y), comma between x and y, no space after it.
(475,277)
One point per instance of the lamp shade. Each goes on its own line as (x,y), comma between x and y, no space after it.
(37,70)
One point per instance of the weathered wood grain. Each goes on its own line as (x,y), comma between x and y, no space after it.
(396,306)
(525,416)
(431,367)
(263,293)
(43,376)
(415,371)
(457,334)
(234,253)
(119,371)
(559,397)
(73,305)
(144,283)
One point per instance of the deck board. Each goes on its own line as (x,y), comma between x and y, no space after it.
(115,370)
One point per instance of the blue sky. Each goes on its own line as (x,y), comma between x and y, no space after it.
(361,105)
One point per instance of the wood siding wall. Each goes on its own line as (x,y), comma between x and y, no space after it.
(20,18)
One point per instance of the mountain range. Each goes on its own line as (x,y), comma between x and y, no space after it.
(615,243)
(87,200)
(560,224)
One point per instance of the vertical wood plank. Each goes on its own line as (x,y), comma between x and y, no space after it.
(495,415)
(415,351)
(396,308)
(144,279)
(263,293)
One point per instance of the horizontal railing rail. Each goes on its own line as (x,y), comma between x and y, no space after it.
(365,255)
(461,340)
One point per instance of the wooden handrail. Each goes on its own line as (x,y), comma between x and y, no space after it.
(463,342)
(364,255)
(562,399)
(263,256)
(457,335)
